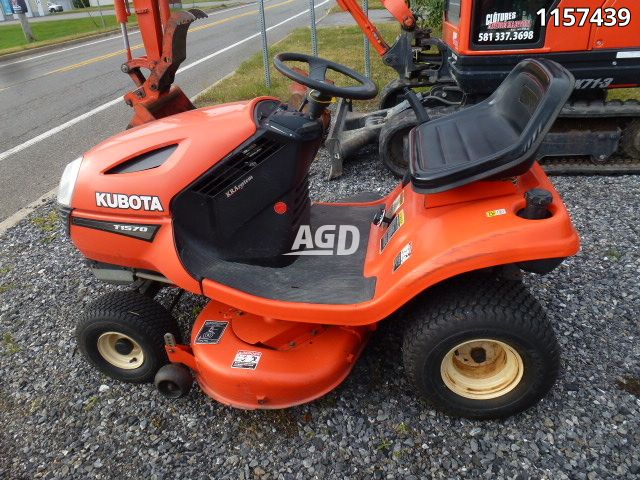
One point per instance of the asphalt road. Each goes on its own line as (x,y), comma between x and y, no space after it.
(56,105)
(106,10)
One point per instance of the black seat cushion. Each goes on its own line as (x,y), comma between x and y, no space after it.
(498,137)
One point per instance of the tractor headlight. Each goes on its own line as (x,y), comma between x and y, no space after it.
(68,182)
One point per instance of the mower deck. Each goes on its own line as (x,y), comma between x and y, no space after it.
(312,278)
(250,362)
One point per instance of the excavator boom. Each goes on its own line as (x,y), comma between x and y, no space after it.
(164,35)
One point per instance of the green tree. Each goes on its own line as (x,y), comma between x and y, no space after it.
(430,11)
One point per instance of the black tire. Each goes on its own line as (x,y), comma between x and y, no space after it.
(480,307)
(391,95)
(173,381)
(131,315)
(391,142)
(630,144)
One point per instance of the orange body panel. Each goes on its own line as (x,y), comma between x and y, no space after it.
(300,368)
(450,232)
(557,38)
(199,132)
(453,236)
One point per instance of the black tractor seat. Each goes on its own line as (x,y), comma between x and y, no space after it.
(496,138)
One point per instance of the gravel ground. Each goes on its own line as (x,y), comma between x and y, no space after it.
(62,419)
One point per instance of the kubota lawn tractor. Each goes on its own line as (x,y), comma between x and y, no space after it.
(215,201)
(598,41)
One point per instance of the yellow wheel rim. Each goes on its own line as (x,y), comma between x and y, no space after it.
(482,369)
(120,350)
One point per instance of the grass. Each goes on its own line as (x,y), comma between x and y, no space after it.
(341,44)
(5,287)
(47,223)
(90,403)
(10,345)
(54,31)
(57,31)
(373,5)
(624,94)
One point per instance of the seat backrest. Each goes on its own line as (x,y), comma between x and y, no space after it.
(496,138)
(531,97)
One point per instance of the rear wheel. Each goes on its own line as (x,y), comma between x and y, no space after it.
(482,348)
(122,334)
(391,142)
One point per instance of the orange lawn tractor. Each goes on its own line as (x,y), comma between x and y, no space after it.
(215,201)
(482,41)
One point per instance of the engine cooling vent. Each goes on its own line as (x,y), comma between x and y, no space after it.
(232,169)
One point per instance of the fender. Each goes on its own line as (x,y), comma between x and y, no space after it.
(452,233)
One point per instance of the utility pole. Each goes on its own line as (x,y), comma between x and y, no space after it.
(20,9)
(101,17)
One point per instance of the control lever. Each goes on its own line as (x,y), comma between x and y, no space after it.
(416,105)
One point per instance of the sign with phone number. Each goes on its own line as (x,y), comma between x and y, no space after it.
(508,36)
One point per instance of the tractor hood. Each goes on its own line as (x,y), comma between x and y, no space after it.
(140,170)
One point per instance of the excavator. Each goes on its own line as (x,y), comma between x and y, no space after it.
(482,41)
(164,35)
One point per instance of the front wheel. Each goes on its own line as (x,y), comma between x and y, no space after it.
(481,348)
(122,335)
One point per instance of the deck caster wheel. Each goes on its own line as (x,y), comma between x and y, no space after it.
(173,380)
(481,348)
(122,334)
(392,139)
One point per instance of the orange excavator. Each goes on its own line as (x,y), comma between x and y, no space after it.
(164,35)
(482,41)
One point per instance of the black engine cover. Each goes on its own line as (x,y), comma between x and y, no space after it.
(230,211)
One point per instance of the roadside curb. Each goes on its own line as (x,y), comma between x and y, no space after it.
(24,212)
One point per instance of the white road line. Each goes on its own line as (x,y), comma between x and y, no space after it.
(244,40)
(35,57)
(18,148)
(58,129)
(116,35)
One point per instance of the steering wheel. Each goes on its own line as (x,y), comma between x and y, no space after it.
(317,76)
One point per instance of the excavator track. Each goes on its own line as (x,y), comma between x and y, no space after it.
(625,114)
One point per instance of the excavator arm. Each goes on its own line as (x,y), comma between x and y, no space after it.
(164,35)
(398,8)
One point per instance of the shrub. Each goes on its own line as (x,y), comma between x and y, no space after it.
(430,11)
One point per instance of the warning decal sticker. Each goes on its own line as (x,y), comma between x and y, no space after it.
(403,256)
(397,203)
(211,332)
(394,226)
(495,213)
(246,360)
